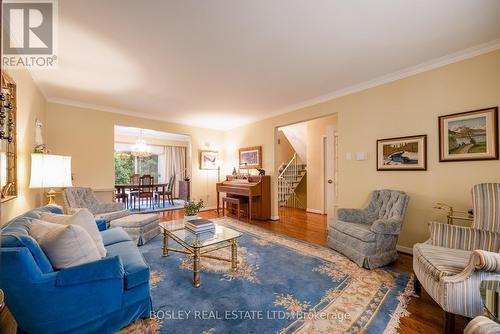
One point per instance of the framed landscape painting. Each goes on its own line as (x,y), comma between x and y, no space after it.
(471,135)
(208,159)
(402,153)
(250,157)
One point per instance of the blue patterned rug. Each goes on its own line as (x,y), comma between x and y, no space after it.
(282,285)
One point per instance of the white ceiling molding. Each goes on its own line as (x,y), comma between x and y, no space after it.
(405,73)
(414,70)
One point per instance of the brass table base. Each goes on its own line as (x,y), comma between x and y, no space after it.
(197,254)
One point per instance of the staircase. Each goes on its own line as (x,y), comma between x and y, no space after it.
(289,178)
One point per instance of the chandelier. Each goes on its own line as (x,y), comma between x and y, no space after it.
(141,149)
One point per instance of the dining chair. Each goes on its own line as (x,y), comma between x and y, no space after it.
(145,190)
(167,191)
(135,180)
(121,196)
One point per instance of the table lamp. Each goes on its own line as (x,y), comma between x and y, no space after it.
(50,171)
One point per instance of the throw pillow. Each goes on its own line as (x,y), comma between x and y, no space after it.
(83,218)
(64,245)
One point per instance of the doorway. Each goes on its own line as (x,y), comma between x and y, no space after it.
(305,155)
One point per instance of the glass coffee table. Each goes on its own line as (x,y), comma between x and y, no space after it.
(199,245)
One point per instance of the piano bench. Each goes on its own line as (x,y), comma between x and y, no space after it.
(233,201)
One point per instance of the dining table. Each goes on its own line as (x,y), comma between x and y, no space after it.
(122,188)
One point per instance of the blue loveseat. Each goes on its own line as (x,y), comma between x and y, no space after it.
(97,297)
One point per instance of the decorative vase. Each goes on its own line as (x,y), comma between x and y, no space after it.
(192,217)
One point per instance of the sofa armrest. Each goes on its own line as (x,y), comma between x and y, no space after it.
(352,215)
(104,269)
(486,261)
(386,226)
(110,207)
(481,325)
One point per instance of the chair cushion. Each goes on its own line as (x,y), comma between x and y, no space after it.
(113,236)
(136,269)
(108,216)
(355,230)
(136,220)
(440,261)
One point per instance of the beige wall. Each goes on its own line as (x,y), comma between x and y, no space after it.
(408,106)
(284,149)
(316,130)
(88,136)
(30,106)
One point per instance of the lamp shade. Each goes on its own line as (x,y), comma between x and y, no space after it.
(50,171)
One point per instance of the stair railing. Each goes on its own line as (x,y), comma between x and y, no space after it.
(286,184)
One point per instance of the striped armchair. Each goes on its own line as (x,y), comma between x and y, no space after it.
(482,325)
(453,262)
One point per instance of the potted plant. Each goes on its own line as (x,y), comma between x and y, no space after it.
(191,209)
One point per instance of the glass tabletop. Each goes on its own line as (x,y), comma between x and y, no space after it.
(177,230)
(490,296)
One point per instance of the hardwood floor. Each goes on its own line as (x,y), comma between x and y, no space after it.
(426,316)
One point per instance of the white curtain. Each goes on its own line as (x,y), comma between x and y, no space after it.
(172,162)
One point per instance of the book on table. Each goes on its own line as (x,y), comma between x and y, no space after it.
(200,225)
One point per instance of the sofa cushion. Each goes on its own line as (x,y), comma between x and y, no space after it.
(64,245)
(114,235)
(83,218)
(136,269)
(441,261)
(356,230)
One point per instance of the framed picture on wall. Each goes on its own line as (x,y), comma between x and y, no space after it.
(208,159)
(250,157)
(471,135)
(402,153)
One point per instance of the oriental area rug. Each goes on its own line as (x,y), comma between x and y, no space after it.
(282,285)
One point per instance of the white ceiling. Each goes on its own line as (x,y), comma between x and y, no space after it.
(148,133)
(223,63)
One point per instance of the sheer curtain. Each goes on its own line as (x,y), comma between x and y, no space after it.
(173,162)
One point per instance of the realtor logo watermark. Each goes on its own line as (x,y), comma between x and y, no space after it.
(29,34)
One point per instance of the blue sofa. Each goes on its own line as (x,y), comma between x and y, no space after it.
(97,297)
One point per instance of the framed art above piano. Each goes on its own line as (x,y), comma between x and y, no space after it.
(250,157)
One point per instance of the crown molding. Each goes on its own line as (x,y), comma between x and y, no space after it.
(405,73)
(111,110)
(408,72)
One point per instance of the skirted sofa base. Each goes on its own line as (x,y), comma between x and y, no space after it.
(98,297)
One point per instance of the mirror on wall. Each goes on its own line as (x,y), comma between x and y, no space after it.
(8,152)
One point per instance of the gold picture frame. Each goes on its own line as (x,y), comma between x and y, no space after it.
(250,157)
(469,136)
(208,159)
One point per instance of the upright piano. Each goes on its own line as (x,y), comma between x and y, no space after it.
(256,188)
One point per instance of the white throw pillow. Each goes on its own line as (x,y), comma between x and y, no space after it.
(83,218)
(64,245)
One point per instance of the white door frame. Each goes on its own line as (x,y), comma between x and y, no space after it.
(323,173)
(330,172)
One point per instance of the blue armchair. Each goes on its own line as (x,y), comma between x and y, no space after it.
(97,297)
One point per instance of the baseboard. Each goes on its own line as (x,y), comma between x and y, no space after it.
(319,212)
(404,249)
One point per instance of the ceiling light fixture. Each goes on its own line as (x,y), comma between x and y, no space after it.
(141,149)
